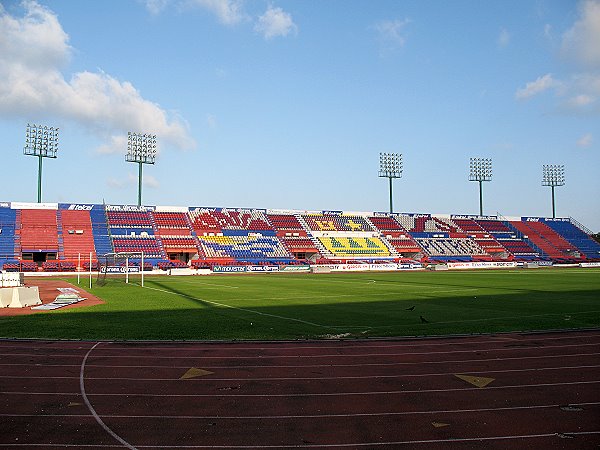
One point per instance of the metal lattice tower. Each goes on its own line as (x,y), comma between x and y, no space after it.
(40,141)
(553,175)
(390,166)
(141,149)
(480,170)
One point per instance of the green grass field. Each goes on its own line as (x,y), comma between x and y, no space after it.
(297,306)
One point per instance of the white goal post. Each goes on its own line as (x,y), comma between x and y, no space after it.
(119,263)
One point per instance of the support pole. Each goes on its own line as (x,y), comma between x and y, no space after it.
(140,185)
(39,198)
(79,266)
(553,207)
(481,198)
(127,270)
(391,202)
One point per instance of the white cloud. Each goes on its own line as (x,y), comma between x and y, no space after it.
(132,180)
(150,182)
(33,51)
(275,22)
(117,144)
(391,34)
(582,41)
(532,88)
(580,101)
(503,38)
(115,184)
(229,12)
(155,6)
(585,140)
(211,121)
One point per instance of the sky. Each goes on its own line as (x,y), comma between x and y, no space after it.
(287,104)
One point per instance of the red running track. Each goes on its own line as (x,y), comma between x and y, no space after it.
(533,391)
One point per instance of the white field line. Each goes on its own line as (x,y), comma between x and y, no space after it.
(223,305)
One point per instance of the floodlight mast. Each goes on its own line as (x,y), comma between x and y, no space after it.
(553,175)
(141,149)
(40,141)
(480,170)
(390,166)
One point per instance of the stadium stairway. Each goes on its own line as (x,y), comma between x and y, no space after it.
(100,231)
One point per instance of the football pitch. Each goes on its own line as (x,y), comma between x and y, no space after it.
(306,306)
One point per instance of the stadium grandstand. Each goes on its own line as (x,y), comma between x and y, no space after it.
(54,237)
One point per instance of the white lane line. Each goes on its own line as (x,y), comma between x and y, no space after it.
(341,445)
(357,377)
(318,416)
(313,394)
(89,405)
(310,366)
(328,355)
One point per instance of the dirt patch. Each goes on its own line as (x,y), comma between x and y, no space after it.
(48,292)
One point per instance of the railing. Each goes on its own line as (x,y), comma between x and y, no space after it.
(582,227)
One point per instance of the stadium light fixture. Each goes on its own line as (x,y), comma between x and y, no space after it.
(40,141)
(480,170)
(390,166)
(141,149)
(553,175)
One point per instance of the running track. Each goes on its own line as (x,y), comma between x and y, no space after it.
(542,392)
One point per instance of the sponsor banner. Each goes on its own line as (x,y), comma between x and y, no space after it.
(410,266)
(472,216)
(544,263)
(482,265)
(286,212)
(557,219)
(295,269)
(228,269)
(545,219)
(384,266)
(262,269)
(177,209)
(119,269)
(4,205)
(21,205)
(589,264)
(75,206)
(365,267)
(129,208)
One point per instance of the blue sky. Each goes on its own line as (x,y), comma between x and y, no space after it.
(287,104)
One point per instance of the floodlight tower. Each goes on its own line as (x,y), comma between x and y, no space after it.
(141,149)
(390,166)
(553,175)
(40,141)
(480,169)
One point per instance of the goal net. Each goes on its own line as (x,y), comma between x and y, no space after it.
(125,267)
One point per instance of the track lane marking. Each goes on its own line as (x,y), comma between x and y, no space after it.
(315,394)
(91,408)
(315,416)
